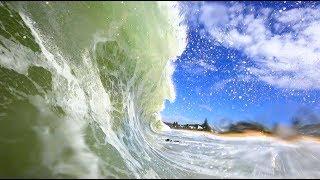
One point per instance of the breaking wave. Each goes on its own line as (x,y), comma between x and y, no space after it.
(82,86)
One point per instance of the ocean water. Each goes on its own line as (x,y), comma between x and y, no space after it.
(82,85)
(212,156)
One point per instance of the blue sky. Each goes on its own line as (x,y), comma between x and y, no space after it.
(255,61)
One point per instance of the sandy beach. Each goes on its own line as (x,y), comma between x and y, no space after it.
(252,134)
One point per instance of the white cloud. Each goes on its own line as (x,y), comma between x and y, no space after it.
(220,84)
(206,66)
(206,107)
(198,67)
(286,52)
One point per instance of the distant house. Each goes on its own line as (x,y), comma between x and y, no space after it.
(188,126)
(201,127)
(194,126)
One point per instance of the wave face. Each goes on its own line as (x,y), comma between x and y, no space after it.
(81,88)
(82,85)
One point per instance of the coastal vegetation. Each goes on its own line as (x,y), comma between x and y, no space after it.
(199,127)
(287,132)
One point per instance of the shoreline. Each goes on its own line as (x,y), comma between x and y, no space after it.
(253,134)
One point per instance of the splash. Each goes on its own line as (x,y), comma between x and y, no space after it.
(82,85)
(80,82)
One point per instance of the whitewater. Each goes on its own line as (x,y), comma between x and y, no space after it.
(82,85)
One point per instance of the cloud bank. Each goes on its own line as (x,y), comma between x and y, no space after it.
(284,44)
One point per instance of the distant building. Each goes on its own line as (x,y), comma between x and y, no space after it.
(188,126)
(201,127)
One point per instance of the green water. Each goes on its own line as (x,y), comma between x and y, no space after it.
(80,85)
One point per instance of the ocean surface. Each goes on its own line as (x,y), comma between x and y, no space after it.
(82,85)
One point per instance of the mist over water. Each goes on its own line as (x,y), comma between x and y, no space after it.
(81,88)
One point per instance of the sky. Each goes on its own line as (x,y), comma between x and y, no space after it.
(257,61)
